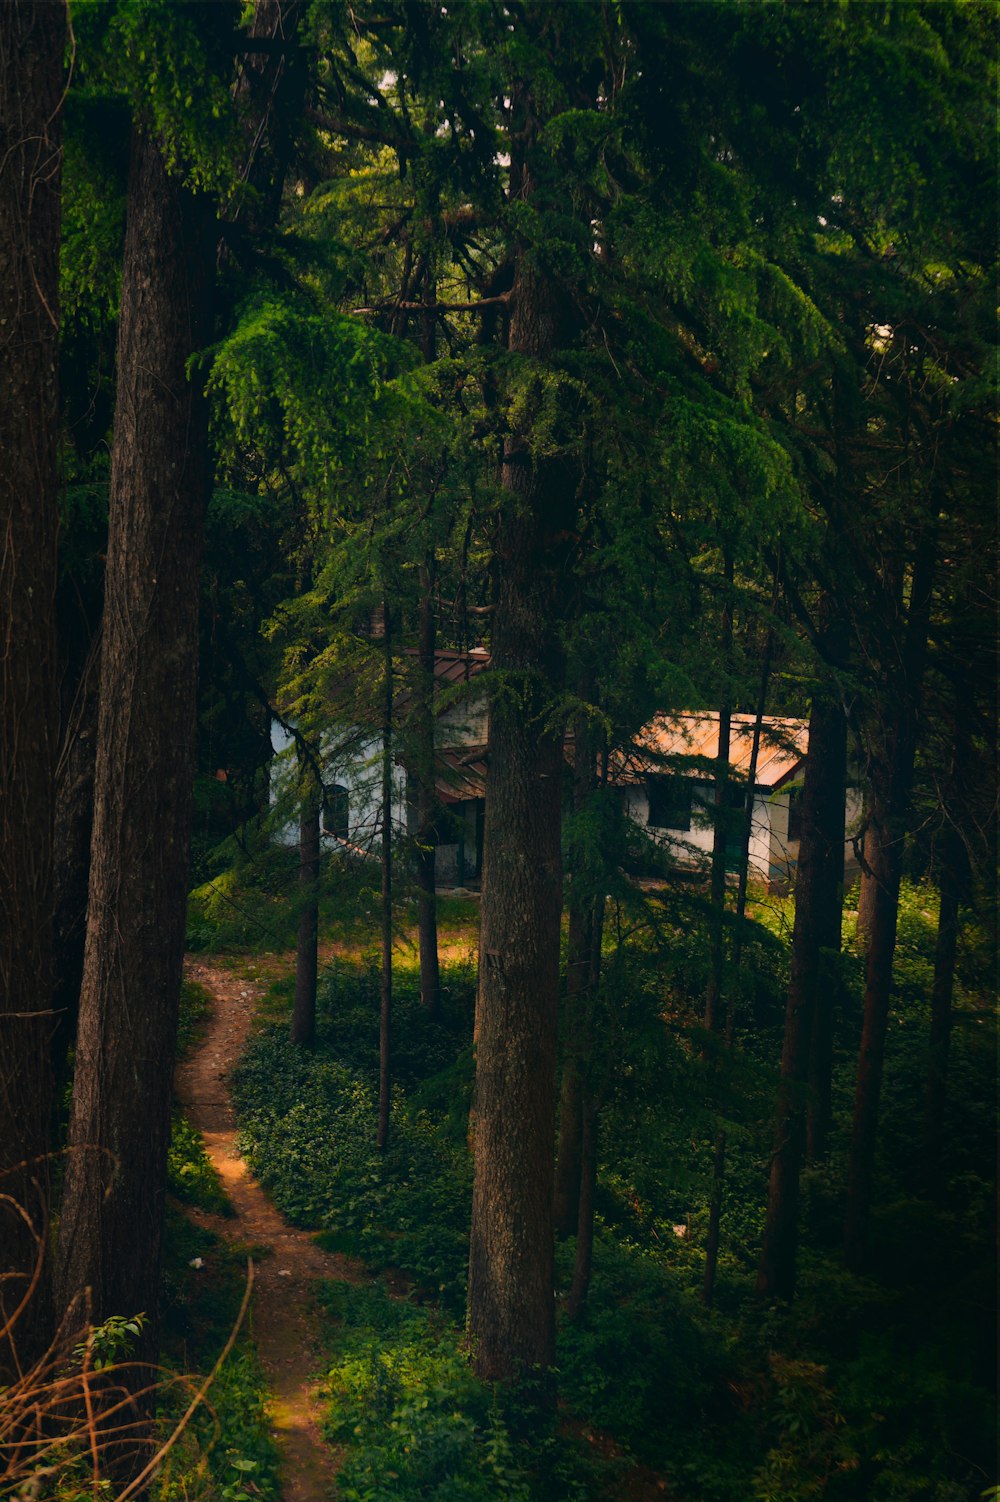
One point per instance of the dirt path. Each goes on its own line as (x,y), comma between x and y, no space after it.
(282,1320)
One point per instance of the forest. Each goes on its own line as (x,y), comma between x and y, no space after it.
(497,719)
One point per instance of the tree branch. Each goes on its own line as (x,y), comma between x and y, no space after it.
(502,300)
(337,125)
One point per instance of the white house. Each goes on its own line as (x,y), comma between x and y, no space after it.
(352,777)
(666,778)
(670,792)
(352,769)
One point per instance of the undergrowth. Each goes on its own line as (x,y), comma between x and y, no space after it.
(230,1455)
(308,1120)
(867,1390)
(419,1427)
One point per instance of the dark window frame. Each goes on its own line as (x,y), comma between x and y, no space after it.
(670,802)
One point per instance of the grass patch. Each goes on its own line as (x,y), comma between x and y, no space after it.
(872,1390)
(230,1455)
(308,1123)
(419,1426)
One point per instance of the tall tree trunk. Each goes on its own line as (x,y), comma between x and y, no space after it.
(307,945)
(952,886)
(110,1233)
(583,1262)
(385,1002)
(868,888)
(566,1203)
(511,1317)
(719,1156)
(940,1035)
(32,41)
(269,92)
(427,804)
(717,891)
(74,820)
(818,875)
(717,958)
(579,980)
(825,896)
(591,1097)
(892,776)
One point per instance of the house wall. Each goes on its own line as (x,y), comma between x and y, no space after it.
(466,722)
(693,847)
(354,761)
(784,852)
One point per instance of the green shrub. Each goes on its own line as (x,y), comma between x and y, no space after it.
(195,1009)
(308,1126)
(190,1174)
(230,1445)
(418,1425)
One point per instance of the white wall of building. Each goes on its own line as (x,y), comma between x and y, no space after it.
(694,846)
(353,760)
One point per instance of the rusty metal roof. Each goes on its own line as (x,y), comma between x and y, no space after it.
(783,746)
(686,744)
(461,773)
(451,669)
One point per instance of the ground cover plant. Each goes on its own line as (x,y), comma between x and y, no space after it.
(230,1453)
(307,1127)
(865,1388)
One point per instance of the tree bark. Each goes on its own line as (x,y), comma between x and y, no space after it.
(818,876)
(110,1233)
(945,952)
(584,1260)
(825,897)
(953,881)
(717,959)
(717,894)
(719,1156)
(385,1001)
(427,804)
(74,821)
(893,751)
(580,979)
(867,891)
(269,94)
(307,947)
(511,1316)
(32,40)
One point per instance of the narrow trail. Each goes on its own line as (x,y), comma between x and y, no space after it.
(281,1311)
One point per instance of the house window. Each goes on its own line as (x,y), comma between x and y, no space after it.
(336,812)
(669,803)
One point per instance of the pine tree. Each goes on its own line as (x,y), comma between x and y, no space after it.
(32,39)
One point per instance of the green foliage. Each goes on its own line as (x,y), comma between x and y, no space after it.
(230,1442)
(191,1176)
(247,906)
(297,384)
(112,1341)
(418,1425)
(175,68)
(308,1124)
(642,1361)
(195,1010)
(740,1402)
